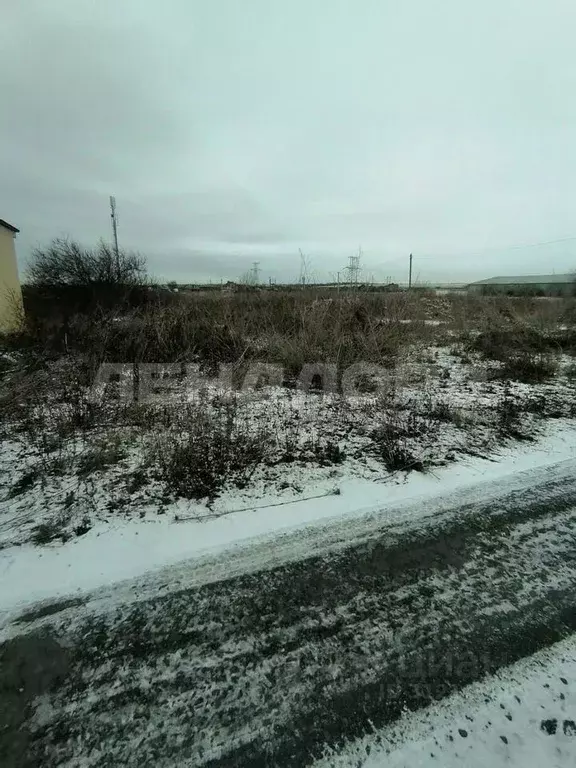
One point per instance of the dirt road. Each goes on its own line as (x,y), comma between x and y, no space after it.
(229,664)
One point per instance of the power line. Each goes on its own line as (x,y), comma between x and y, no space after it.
(546,242)
(499,249)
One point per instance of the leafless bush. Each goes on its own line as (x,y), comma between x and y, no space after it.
(509,417)
(500,343)
(293,327)
(104,453)
(444,412)
(208,451)
(52,529)
(66,262)
(527,368)
(393,440)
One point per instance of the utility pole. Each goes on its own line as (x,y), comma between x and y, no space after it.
(115,233)
(410,274)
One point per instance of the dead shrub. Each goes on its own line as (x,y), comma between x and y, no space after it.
(442,411)
(209,450)
(394,452)
(391,440)
(24,483)
(103,454)
(527,368)
(51,529)
(291,328)
(509,413)
(500,343)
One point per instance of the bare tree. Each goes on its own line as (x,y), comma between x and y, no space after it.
(65,262)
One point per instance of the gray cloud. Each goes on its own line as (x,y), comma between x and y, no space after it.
(238,131)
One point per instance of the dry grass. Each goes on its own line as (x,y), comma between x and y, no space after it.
(207,450)
(290,327)
(197,452)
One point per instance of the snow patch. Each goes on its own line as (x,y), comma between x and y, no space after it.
(117,550)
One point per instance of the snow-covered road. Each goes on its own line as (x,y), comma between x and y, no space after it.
(284,647)
(521,717)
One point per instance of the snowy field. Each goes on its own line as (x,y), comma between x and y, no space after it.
(59,481)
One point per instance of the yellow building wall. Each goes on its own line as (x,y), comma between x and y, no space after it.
(11,310)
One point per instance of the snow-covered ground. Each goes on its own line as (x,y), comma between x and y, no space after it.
(524,717)
(115,550)
(324,461)
(436,409)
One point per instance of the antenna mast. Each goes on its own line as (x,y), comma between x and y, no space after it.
(115,232)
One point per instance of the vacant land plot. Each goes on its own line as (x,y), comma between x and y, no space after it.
(260,394)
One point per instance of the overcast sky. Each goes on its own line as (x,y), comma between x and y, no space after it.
(240,130)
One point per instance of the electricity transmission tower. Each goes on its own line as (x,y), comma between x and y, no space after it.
(255,273)
(304,268)
(353,268)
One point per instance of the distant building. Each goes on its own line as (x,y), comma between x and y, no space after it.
(526,285)
(230,287)
(10,290)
